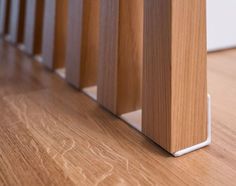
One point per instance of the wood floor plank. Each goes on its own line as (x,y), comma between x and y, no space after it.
(23,160)
(69,132)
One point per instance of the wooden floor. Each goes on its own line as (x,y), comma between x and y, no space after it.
(51,134)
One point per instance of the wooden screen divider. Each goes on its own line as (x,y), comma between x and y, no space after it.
(147,59)
(167,39)
(82,43)
(54,33)
(33,26)
(16,25)
(4,16)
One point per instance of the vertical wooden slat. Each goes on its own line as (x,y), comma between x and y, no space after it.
(4,16)
(38,28)
(21,22)
(54,33)
(29,25)
(8,17)
(109,34)
(33,26)
(119,79)
(174,79)
(16,26)
(49,33)
(82,45)
(14,15)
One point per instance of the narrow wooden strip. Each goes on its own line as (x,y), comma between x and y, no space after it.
(82,45)
(29,25)
(33,26)
(109,34)
(4,16)
(16,26)
(119,83)
(14,15)
(54,33)
(49,33)
(20,36)
(61,33)
(73,51)
(38,28)
(174,80)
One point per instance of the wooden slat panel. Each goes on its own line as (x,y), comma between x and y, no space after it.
(38,29)
(21,20)
(82,45)
(49,33)
(33,26)
(61,33)
(73,55)
(4,16)
(29,25)
(54,33)
(14,15)
(174,83)
(119,80)
(16,26)
(109,34)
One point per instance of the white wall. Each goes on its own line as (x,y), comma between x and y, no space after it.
(221,23)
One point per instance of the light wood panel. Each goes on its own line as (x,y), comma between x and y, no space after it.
(33,26)
(174,83)
(16,25)
(83,43)
(51,134)
(54,33)
(4,16)
(119,79)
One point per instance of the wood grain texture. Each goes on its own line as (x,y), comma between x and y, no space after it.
(4,16)
(54,33)
(33,26)
(51,134)
(174,84)
(119,78)
(83,43)
(16,26)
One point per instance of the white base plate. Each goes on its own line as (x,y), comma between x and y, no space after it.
(91,92)
(21,47)
(134,119)
(38,58)
(61,72)
(8,38)
(203,144)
